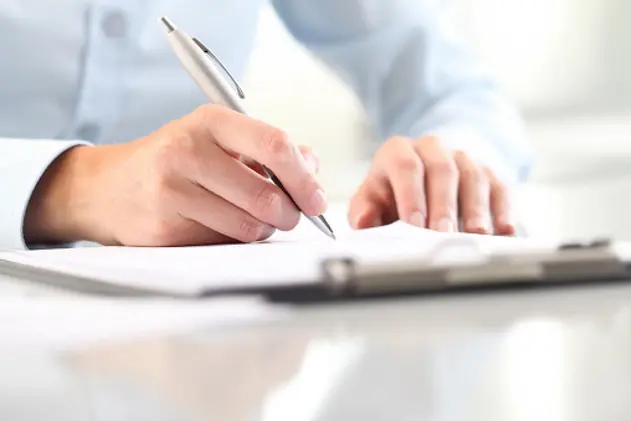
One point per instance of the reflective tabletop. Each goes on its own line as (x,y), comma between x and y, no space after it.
(553,354)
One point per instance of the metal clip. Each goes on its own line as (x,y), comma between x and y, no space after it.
(214,57)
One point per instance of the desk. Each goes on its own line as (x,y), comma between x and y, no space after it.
(561,354)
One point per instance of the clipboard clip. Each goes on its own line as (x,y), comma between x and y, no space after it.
(568,263)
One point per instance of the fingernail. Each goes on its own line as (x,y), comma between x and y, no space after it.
(375,222)
(504,220)
(506,226)
(319,202)
(444,225)
(477,224)
(418,219)
(268,231)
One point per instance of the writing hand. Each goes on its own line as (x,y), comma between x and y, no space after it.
(187,183)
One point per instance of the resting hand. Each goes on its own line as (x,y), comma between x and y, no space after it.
(427,185)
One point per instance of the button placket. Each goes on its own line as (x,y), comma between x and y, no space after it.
(114,25)
(101,92)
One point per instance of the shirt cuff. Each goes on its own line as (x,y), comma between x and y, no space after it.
(22,164)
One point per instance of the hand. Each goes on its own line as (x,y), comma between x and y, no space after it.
(188,183)
(426,185)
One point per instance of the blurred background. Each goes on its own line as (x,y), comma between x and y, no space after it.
(566,63)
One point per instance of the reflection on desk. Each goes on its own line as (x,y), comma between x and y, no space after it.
(560,354)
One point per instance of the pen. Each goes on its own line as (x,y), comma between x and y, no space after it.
(196,59)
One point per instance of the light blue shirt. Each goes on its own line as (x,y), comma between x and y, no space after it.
(101,71)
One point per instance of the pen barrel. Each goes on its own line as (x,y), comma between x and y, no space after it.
(208,77)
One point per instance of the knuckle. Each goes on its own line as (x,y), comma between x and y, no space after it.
(250,230)
(397,140)
(156,186)
(276,142)
(474,174)
(443,168)
(172,149)
(394,146)
(407,162)
(207,112)
(164,153)
(308,185)
(266,202)
(206,115)
(183,144)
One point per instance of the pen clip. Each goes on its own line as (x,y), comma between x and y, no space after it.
(214,57)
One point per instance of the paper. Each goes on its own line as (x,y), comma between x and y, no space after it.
(287,258)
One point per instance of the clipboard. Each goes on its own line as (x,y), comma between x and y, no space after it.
(570,264)
(343,278)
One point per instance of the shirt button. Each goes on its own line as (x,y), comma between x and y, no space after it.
(89,132)
(114,25)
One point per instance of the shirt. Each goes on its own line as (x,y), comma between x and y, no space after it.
(101,71)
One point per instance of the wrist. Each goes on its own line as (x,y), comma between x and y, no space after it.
(59,205)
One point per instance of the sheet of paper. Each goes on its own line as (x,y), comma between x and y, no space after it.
(287,258)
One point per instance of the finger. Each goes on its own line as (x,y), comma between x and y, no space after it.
(474,192)
(403,169)
(267,145)
(503,223)
(441,180)
(365,214)
(213,212)
(231,180)
(312,161)
(192,233)
(369,206)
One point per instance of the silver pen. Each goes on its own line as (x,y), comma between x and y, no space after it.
(196,59)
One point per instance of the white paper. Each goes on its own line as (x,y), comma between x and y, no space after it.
(287,258)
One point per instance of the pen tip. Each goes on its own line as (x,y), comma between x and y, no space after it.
(168,25)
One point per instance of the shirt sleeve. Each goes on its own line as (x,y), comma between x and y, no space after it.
(22,163)
(414,76)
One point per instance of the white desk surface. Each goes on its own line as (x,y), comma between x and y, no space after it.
(556,354)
